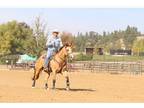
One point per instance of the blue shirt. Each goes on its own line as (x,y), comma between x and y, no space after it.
(54,43)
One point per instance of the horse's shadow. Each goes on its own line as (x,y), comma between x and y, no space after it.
(75,89)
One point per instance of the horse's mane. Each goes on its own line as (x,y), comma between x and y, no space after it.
(44,55)
(60,48)
(66,44)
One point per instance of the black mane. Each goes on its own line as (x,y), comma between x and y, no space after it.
(66,44)
(60,48)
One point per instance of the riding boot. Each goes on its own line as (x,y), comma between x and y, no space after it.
(46,69)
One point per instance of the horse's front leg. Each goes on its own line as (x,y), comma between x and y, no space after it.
(35,77)
(33,82)
(46,80)
(67,80)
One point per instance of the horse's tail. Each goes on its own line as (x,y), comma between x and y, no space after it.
(38,68)
(37,73)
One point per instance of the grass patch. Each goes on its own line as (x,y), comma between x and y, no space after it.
(83,57)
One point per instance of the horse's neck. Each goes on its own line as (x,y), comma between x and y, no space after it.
(61,54)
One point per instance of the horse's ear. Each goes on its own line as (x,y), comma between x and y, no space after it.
(71,44)
(66,44)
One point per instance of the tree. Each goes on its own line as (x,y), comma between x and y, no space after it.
(108,40)
(40,35)
(138,46)
(67,37)
(13,36)
(130,35)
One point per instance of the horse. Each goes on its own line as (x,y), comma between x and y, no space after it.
(58,64)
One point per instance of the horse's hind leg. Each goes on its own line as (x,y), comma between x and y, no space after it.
(35,77)
(46,80)
(33,83)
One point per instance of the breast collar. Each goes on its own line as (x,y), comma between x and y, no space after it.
(59,62)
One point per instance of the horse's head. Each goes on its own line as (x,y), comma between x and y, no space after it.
(68,50)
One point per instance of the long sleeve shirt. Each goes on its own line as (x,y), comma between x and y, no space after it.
(54,42)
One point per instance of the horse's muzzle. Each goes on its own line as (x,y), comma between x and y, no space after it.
(71,56)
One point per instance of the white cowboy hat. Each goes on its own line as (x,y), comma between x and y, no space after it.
(55,30)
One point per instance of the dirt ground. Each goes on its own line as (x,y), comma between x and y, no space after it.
(15,86)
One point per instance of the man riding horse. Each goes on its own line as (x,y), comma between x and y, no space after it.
(53,44)
(55,61)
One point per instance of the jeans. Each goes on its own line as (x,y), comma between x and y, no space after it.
(48,57)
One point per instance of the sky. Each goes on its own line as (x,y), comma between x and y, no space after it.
(76,20)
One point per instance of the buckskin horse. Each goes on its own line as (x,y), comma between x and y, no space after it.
(58,64)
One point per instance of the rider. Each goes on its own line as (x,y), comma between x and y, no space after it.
(53,44)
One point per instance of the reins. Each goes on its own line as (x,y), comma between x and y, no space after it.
(63,60)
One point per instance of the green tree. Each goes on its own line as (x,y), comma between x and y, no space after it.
(138,46)
(130,35)
(13,37)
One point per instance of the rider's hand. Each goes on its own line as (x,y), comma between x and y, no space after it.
(54,53)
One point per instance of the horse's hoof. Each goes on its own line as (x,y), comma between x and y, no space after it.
(67,89)
(33,86)
(53,88)
(46,88)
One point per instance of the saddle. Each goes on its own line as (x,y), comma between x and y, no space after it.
(49,70)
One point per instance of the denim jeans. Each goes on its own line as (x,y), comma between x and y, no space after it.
(50,53)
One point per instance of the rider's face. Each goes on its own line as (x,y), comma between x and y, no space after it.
(55,34)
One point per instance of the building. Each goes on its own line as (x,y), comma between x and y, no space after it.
(89,50)
(100,51)
(120,52)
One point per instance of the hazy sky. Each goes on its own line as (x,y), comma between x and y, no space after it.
(78,19)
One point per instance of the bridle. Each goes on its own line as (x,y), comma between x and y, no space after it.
(63,60)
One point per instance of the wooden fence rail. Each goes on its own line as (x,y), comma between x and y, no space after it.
(111,67)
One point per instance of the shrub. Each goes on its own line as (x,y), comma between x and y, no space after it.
(83,57)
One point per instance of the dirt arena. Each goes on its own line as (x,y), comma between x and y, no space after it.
(15,86)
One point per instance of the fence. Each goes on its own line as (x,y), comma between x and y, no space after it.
(99,67)
(110,67)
